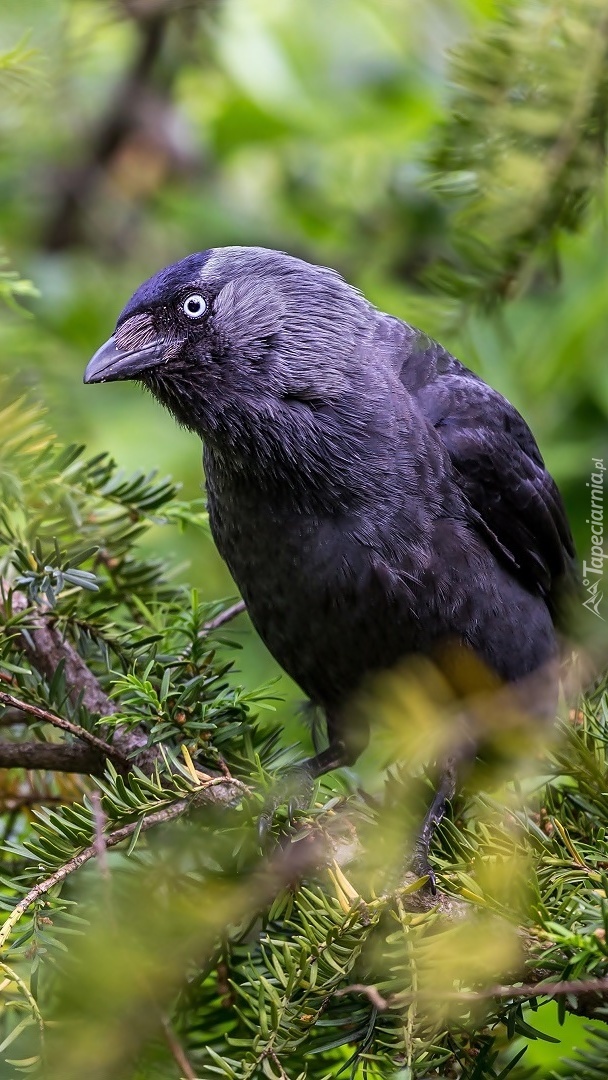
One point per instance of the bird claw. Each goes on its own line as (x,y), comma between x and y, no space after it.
(293,806)
(294,789)
(420,866)
(264,826)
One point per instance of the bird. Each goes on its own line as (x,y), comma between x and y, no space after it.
(373,498)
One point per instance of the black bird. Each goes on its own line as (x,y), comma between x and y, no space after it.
(372,497)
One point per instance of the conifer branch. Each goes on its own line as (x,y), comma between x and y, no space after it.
(168,813)
(64,725)
(55,757)
(46,648)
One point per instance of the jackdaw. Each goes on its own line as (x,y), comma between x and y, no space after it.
(372,497)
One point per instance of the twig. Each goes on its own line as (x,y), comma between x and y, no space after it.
(99,819)
(174,810)
(12,976)
(111,840)
(21,802)
(216,623)
(575,987)
(271,1055)
(178,1051)
(224,617)
(65,725)
(380,1003)
(540,989)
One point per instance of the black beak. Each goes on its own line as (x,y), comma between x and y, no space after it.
(110,363)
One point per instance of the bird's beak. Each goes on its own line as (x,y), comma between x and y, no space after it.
(111,363)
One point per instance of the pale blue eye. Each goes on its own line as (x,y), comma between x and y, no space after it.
(194,306)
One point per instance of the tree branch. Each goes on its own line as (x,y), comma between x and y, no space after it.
(536,989)
(177,1051)
(224,617)
(78,184)
(57,757)
(65,725)
(46,648)
(591,994)
(11,803)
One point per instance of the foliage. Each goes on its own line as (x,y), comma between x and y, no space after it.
(524,148)
(13,287)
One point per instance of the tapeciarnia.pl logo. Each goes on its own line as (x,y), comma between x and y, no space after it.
(593,570)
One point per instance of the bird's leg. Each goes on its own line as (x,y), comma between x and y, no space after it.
(451,773)
(419,862)
(335,756)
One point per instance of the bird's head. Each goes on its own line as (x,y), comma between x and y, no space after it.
(237,328)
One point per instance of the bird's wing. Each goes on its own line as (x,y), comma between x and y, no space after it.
(497,465)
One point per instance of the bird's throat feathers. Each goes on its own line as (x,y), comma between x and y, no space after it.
(310,451)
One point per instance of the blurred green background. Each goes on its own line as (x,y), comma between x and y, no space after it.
(139,131)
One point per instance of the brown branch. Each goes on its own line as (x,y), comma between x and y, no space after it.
(537,989)
(65,725)
(224,617)
(216,623)
(177,1051)
(588,988)
(77,186)
(46,647)
(271,1055)
(58,757)
(380,1003)
(13,803)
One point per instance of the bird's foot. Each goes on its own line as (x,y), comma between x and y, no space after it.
(420,866)
(295,785)
(292,789)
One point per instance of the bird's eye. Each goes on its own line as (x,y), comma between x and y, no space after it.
(194,306)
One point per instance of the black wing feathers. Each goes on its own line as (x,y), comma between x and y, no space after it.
(514,501)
